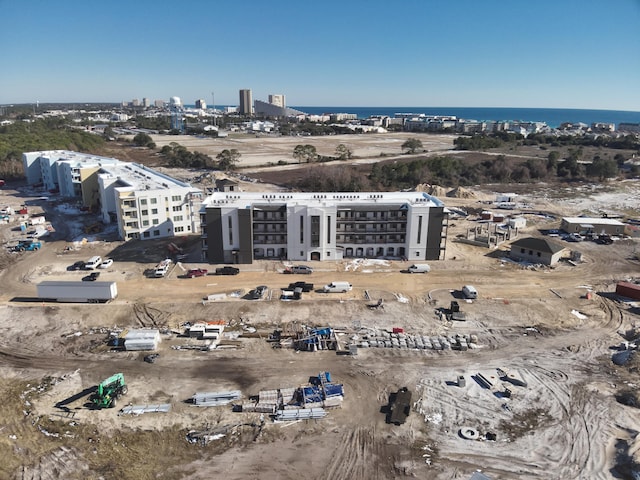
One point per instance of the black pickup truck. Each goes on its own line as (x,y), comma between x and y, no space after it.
(306,287)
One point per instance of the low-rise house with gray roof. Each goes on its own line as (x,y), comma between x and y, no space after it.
(537,250)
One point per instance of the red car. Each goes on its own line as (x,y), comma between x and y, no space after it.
(197,272)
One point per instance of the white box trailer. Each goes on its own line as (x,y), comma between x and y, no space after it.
(80,292)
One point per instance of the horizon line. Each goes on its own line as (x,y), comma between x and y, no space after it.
(337,106)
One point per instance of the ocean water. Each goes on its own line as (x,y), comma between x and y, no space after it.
(551,116)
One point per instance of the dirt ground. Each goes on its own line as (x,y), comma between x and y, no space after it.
(532,321)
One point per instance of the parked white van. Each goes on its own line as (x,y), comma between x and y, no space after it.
(93,263)
(419,268)
(469,291)
(337,287)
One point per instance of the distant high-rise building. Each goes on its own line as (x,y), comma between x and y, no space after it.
(135,102)
(146,102)
(246,102)
(159,103)
(201,104)
(277,99)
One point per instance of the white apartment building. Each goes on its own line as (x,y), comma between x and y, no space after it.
(144,203)
(239,227)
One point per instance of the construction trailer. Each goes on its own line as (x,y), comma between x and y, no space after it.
(77,292)
(629,290)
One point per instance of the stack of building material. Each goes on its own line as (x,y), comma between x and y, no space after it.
(207,330)
(196,330)
(288,395)
(140,409)
(300,414)
(142,339)
(214,399)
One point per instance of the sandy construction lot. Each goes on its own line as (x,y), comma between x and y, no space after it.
(530,321)
(263,150)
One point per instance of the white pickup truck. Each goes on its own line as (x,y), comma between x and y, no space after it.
(162,268)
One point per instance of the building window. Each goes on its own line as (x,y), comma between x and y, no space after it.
(156,233)
(176,198)
(539,254)
(146,234)
(179,218)
(154,201)
(179,229)
(530,252)
(143,201)
(154,211)
(144,212)
(301,229)
(328,229)
(522,250)
(156,221)
(230,231)
(419,229)
(145,223)
(328,254)
(177,208)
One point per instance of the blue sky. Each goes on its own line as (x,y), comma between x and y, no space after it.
(440,53)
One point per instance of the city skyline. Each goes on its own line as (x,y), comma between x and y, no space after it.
(569,54)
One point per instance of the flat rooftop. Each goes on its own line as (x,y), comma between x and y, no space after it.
(591,220)
(141,178)
(321,198)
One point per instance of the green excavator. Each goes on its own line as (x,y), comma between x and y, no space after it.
(108,391)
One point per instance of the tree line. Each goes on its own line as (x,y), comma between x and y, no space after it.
(40,134)
(451,171)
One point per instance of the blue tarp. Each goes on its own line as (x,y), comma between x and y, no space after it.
(333,389)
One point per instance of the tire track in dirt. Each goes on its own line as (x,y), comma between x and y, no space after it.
(587,430)
(355,456)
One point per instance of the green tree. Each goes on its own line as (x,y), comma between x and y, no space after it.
(143,140)
(227,159)
(602,168)
(412,145)
(343,152)
(307,153)
(552,160)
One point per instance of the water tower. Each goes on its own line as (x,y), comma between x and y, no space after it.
(175,108)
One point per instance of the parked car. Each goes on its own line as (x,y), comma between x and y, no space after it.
(106,263)
(306,287)
(604,239)
(227,271)
(574,237)
(259,292)
(92,277)
(197,272)
(303,269)
(76,266)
